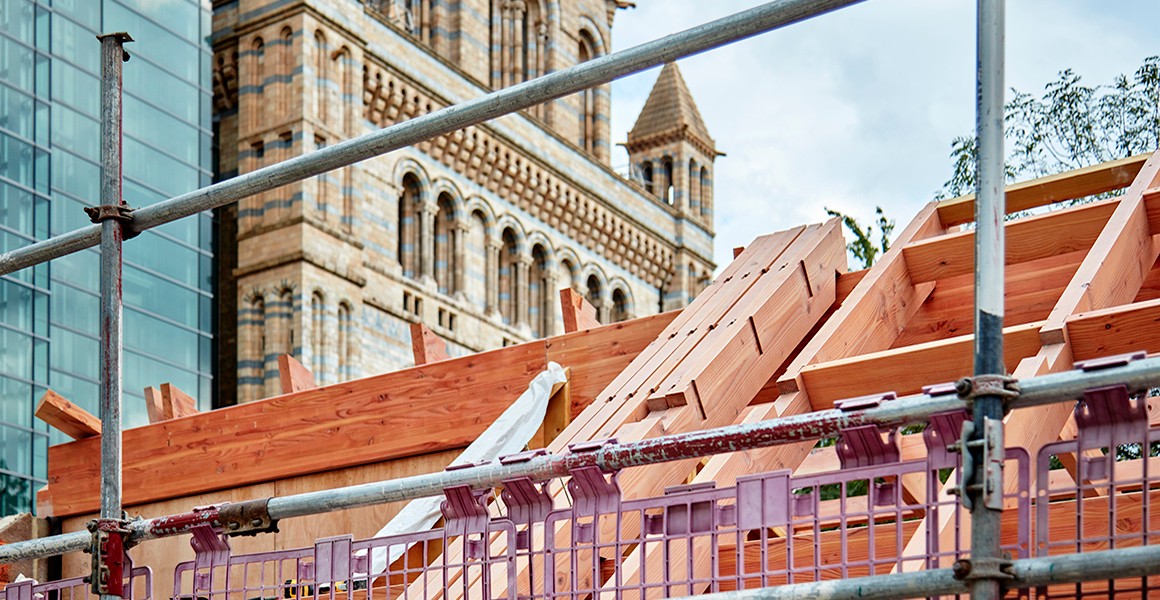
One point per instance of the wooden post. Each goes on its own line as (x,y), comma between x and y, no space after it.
(69,418)
(293,375)
(577,312)
(167,403)
(426,345)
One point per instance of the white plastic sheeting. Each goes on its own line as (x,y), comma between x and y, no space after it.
(509,434)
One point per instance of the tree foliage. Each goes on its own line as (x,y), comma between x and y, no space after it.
(1072,125)
(864,247)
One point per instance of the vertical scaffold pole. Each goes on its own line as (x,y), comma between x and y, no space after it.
(985,443)
(112,214)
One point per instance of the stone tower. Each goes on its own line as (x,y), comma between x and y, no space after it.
(672,152)
(472,233)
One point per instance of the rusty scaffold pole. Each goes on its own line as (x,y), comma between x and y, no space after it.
(109,531)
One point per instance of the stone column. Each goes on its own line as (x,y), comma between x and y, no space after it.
(523,267)
(493,247)
(506,59)
(459,231)
(426,244)
(552,304)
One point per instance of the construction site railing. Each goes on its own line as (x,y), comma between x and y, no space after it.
(987,396)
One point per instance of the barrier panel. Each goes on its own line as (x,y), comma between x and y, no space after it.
(139,586)
(765,530)
(1110,500)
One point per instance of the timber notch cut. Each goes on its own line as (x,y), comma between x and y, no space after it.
(783,330)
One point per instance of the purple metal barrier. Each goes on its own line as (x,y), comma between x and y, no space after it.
(138,586)
(1099,491)
(767,529)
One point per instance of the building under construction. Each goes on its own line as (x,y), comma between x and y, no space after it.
(968,416)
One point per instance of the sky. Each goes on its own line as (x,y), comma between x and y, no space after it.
(857,108)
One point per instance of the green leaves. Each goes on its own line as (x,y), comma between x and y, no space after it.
(863,247)
(1072,125)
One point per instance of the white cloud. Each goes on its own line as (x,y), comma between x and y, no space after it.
(857,108)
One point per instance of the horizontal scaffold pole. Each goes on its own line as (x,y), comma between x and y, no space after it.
(1025,573)
(746,24)
(1138,375)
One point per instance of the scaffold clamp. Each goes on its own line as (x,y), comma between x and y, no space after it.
(247,518)
(109,544)
(1003,386)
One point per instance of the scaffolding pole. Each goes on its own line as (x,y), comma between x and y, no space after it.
(983,442)
(1025,573)
(761,19)
(1137,375)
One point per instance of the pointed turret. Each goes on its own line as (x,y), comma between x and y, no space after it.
(672,153)
(670,113)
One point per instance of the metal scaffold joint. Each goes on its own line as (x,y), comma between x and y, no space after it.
(111,539)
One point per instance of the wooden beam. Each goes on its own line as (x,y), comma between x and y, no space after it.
(1115,267)
(906,370)
(596,356)
(577,312)
(846,283)
(67,417)
(293,375)
(558,415)
(168,402)
(414,411)
(426,345)
(876,311)
(1028,239)
(1115,330)
(1025,195)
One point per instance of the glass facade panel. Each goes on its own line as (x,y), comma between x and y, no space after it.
(50,170)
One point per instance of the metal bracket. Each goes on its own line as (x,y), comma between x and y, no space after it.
(247,518)
(121,38)
(994,455)
(993,568)
(1003,386)
(116,212)
(110,541)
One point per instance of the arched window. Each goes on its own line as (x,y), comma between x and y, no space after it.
(646,173)
(321,84)
(668,194)
(409,250)
(317,335)
(342,88)
(253,364)
(257,78)
(706,192)
(539,298)
(508,257)
(690,282)
(523,40)
(587,97)
(595,296)
(620,306)
(567,275)
(419,19)
(446,262)
(694,187)
(475,260)
(286,71)
(344,341)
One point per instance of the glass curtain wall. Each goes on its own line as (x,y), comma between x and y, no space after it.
(49,171)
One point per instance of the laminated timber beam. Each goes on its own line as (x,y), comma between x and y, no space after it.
(427,409)
(426,345)
(68,418)
(1111,274)
(576,312)
(872,313)
(293,375)
(1088,181)
(783,282)
(168,402)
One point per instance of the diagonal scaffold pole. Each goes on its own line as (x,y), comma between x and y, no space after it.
(733,28)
